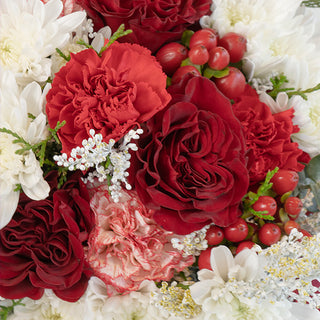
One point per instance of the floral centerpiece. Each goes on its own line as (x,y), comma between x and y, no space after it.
(159,160)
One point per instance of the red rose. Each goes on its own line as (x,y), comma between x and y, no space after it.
(153,22)
(111,94)
(42,246)
(190,166)
(267,136)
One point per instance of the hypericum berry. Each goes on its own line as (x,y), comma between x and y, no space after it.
(181,71)
(244,244)
(204,37)
(219,58)
(266,203)
(289,225)
(284,181)
(198,55)
(237,231)
(214,236)
(236,45)
(293,207)
(233,84)
(170,56)
(269,234)
(204,259)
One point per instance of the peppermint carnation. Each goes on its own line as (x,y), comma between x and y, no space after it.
(127,246)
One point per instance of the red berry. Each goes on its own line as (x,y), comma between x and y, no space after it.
(237,231)
(178,75)
(243,245)
(204,37)
(219,58)
(170,56)
(293,207)
(289,225)
(284,181)
(214,236)
(233,84)
(204,259)
(236,45)
(269,234)
(198,55)
(266,203)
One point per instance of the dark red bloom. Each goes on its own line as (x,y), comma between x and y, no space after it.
(43,245)
(153,22)
(267,136)
(110,94)
(190,166)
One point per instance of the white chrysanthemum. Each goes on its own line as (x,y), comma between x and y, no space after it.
(224,293)
(49,307)
(16,109)
(278,39)
(135,305)
(83,32)
(30,32)
(306,116)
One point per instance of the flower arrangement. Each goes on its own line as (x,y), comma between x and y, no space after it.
(159,160)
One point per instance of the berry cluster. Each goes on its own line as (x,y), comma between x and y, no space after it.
(273,201)
(205,53)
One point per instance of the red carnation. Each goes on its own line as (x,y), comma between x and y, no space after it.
(42,246)
(267,136)
(190,166)
(110,94)
(153,22)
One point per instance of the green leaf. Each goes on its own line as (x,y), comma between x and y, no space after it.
(313,169)
(311,3)
(186,36)
(187,62)
(209,73)
(62,55)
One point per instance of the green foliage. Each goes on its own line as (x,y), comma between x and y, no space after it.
(309,185)
(209,73)
(5,311)
(251,197)
(311,3)
(39,149)
(279,81)
(62,55)
(186,36)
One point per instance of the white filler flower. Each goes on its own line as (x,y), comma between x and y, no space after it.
(30,32)
(20,112)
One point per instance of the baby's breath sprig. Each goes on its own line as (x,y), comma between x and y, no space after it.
(193,243)
(110,160)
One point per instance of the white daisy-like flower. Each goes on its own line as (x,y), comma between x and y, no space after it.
(30,32)
(278,39)
(49,307)
(225,292)
(20,112)
(306,117)
(135,305)
(83,32)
